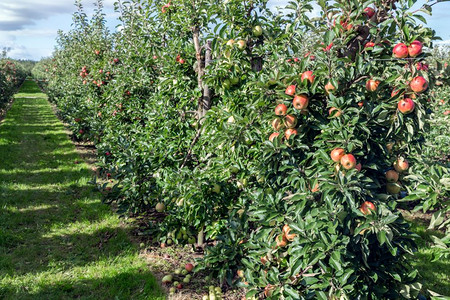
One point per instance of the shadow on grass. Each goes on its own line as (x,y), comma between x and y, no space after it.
(57,240)
(133,284)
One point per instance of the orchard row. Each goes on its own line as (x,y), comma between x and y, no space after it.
(273,142)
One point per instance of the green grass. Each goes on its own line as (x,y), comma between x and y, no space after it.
(435,275)
(57,240)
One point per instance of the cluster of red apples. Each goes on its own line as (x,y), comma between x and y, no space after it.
(288,122)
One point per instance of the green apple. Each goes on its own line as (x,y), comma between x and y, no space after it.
(257,30)
(241,45)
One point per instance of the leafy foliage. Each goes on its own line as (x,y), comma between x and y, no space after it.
(180,104)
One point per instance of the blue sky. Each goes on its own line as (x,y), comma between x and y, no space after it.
(29,27)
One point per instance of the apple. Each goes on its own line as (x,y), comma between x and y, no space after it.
(281,109)
(369,45)
(230,43)
(241,45)
(81,131)
(392,176)
(401,165)
(290,121)
(369,11)
(216,188)
(189,267)
(418,84)
(334,112)
(394,92)
(273,136)
(329,87)
(172,290)
(160,207)
(393,188)
(97,52)
(348,161)
(372,85)
(167,279)
(361,103)
(400,50)
(240,273)
(300,101)
(257,30)
(180,286)
(277,124)
(290,90)
(116,60)
(308,75)
(367,208)
(415,48)
(289,132)
(406,106)
(336,154)
(358,167)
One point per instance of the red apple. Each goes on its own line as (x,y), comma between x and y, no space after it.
(406,106)
(372,85)
(415,48)
(369,44)
(329,87)
(281,109)
(400,50)
(401,165)
(361,103)
(289,132)
(418,84)
(358,167)
(367,208)
(308,75)
(300,101)
(277,124)
(273,136)
(394,92)
(290,121)
(369,12)
(336,154)
(348,161)
(334,112)
(189,267)
(290,90)
(392,176)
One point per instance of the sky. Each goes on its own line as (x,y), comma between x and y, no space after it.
(29,27)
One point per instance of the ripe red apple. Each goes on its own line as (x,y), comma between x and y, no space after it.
(277,124)
(81,131)
(115,60)
(334,112)
(308,75)
(415,48)
(394,92)
(372,85)
(400,50)
(290,90)
(361,103)
(97,52)
(369,44)
(189,267)
(367,208)
(369,12)
(392,176)
(281,109)
(406,106)
(336,154)
(289,132)
(273,136)
(329,87)
(300,101)
(290,121)
(418,84)
(348,161)
(401,165)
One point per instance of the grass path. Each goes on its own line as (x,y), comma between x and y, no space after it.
(57,240)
